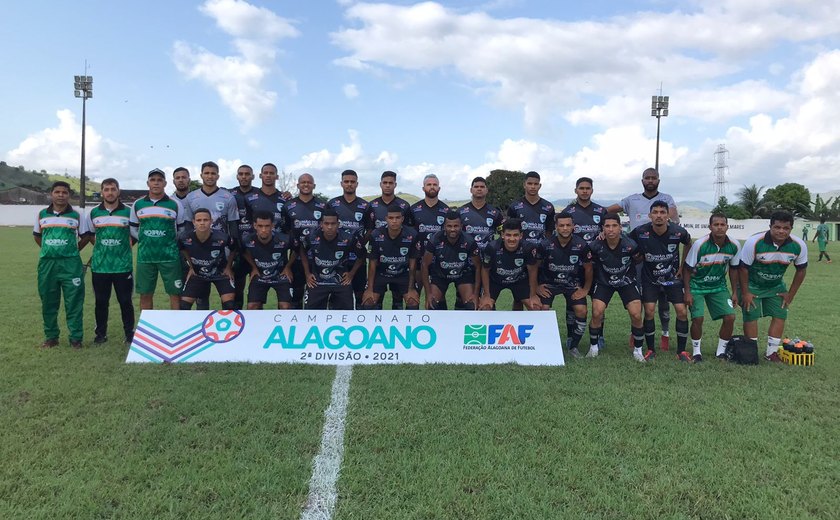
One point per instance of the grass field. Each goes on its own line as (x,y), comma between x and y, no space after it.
(83,435)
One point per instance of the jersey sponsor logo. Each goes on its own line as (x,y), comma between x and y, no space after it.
(154,233)
(403,251)
(110,242)
(56,242)
(440,219)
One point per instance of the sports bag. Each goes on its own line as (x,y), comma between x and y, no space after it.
(742,350)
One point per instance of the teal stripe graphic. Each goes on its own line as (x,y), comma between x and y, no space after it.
(191,354)
(168,335)
(146,355)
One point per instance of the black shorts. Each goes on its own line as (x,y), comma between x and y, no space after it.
(443,283)
(298,282)
(359,282)
(322,297)
(199,288)
(521,290)
(398,285)
(628,293)
(567,293)
(651,292)
(258,291)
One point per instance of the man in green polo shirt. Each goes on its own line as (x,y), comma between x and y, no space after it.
(57,231)
(155,221)
(111,263)
(821,236)
(704,281)
(764,259)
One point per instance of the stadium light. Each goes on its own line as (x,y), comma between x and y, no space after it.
(83,88)
(658,109)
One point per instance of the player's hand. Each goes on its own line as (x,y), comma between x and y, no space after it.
(533,303)
(734,300)
(412,298)
(430,303)
(311,282)
(286,195)
(787,299)
(678,274)
(255,273)
(579,294)
(747,300)
(542,291)
(227,272)
(688,299)
(190,274)
(486,303)
(345,279)
(368,298)
(288,274)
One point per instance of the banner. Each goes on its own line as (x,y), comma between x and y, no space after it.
(347,337)
(738,229)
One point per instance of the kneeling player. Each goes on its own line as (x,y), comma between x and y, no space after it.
(613,259)
(510,263)
(704,281)
(566,270)
(392,262)
(268,254)
(451,257)
(207,253)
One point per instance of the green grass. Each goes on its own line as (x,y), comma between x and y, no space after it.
(83,435)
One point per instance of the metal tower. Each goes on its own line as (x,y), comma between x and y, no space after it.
(721,171)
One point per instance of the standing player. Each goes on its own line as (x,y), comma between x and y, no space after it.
(268,198)
(57,232)
(111,263)
(392,263)
(613,258)
(181,181)
(821,236)
(302,214)
(245,178)
(566,270)
(764,259)
(379,206)
(659,244)
(704,282)
(328,267)
(428,216)
(270,255)
(637,207)
(353,216)
(224,211)
(536,213)
(155,221)
(510,263)
(208,252)
(480,219)
(451,256)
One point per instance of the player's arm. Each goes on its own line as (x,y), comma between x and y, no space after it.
(411,297)
(228,270)
(673,213)
(747,297)
(685,249)
(307,273)
(486,302)
(687,273)
(587,281)
(533,274)
(255,272)
(549,222)
(615,208)
(798,278)
(477,284)
(734,282)
(426,261)
(190,272)
(287,271)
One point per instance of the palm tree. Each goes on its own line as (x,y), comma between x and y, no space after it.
(751,199)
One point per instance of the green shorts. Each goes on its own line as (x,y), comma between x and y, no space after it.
(719,303)
(147,274)
(766,306)
(822,245)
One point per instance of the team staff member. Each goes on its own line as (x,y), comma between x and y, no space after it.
(111,263)
(379,206)
(392,263)
(208,252)
(704,282)
(510,263)
(58,231)
(270,255)
(764,259)
(566,270)
(245,179)
(659,244)
(353,216)
(155,221)
(302,213)
(821,236)
(612,263)
(451,256)
(328,267)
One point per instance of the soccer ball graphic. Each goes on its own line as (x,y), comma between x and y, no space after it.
(223,326)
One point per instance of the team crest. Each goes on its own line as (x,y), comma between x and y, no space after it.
(519,262)
(574,259)
(462,256)
(542,218)
(277,256)
(279,206)
(220,206)
(625,260)
(214,254)
(316,214)
(403,251)
(489,221)
(672,248)
(596,219)
(440,219)
(339,255)
(358,216)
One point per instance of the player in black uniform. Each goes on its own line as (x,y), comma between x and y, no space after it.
(270,256)
(510,263)
(427,216)
(302,213)
(245,178)
(378,212)
(392,263)
(480,219)
(208,253)
(181,181)
(451,256)
(268,198)
(353,216)
(614,258)
(328,268)
(566,269)
(659,243)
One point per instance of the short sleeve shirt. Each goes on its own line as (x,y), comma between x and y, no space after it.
(508,267)
(614,267)
(112,249)
(59,232)
(537,219)
(588,220)
(378,211)
(271,257)
(709,263)
(452,261)
(562,266)
(767,262)
(208,258)
(393,254)
(480,223)
(661,252)
(637,207)
(221,204)
(157,224)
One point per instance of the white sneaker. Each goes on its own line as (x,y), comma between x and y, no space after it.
(593,351)
(638,356)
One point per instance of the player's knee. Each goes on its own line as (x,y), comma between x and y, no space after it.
(729,319)
(185,306)
(438,305)
(229,305)
(369,306)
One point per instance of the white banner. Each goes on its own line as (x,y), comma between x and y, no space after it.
(347,337)
(738,229)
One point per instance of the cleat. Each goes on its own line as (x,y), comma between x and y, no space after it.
(649,355)
(697,358)
(684,357)
(601,343)
(49,343)
(722,357)
(76,344)
(575,353)
(568,343)
(664,343)
(638,356)
(593,351)
(773,358)
(98,340)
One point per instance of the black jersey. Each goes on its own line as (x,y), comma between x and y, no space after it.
(257,200)
(589,220)
(661,252)
(481,224)
(244,220)
(562,266)
(378,212)
(451,261)
(330,259)
(303,216)
(393,254)
(270,258)
(209,258)
(508,267)
(352,216)
(537,219)
(428,220)
(614,267)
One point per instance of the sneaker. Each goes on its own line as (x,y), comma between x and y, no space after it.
(664,342)
(773,358)
(76,344)
(649,355)
(698,358)
(49,343)
(638,356)
(575,353)
(593,351)
(684,357)
(100,339)
(722,357)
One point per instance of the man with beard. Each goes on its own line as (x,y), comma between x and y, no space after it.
(245,178)
(181,181)
(379,206)
(510,263)
(302,213)
(353,216)
(480,220)
(451,256)
(221,203)
(428,216)
(392,263)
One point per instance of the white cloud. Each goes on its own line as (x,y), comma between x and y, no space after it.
(351,91)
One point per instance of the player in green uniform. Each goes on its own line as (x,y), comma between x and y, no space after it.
(111,264)
(155,220)
(57,232)
(821,236)
(704,281)
(764,259)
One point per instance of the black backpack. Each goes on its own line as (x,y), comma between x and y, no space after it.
(742,350)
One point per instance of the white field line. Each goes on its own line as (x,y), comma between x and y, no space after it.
(326,466)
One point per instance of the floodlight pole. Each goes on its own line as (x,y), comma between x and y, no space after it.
(83,89)
(658,109)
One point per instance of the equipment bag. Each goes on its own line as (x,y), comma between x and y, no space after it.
(742,350)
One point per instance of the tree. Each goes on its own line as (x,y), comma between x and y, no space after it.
(791,196)
(750,199)
(732,211)
(504,186)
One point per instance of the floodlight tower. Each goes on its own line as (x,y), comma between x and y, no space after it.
(83,89)
(721,171)
(658,109)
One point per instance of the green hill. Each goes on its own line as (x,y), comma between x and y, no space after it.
(18,176)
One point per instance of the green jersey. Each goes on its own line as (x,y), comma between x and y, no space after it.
(767,262)
(709,262)
(59,232)
(822,233)
(112,249)
(155,225)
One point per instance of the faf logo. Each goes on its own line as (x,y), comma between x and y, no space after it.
(496,334)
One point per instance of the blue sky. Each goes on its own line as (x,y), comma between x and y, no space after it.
(452,88)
